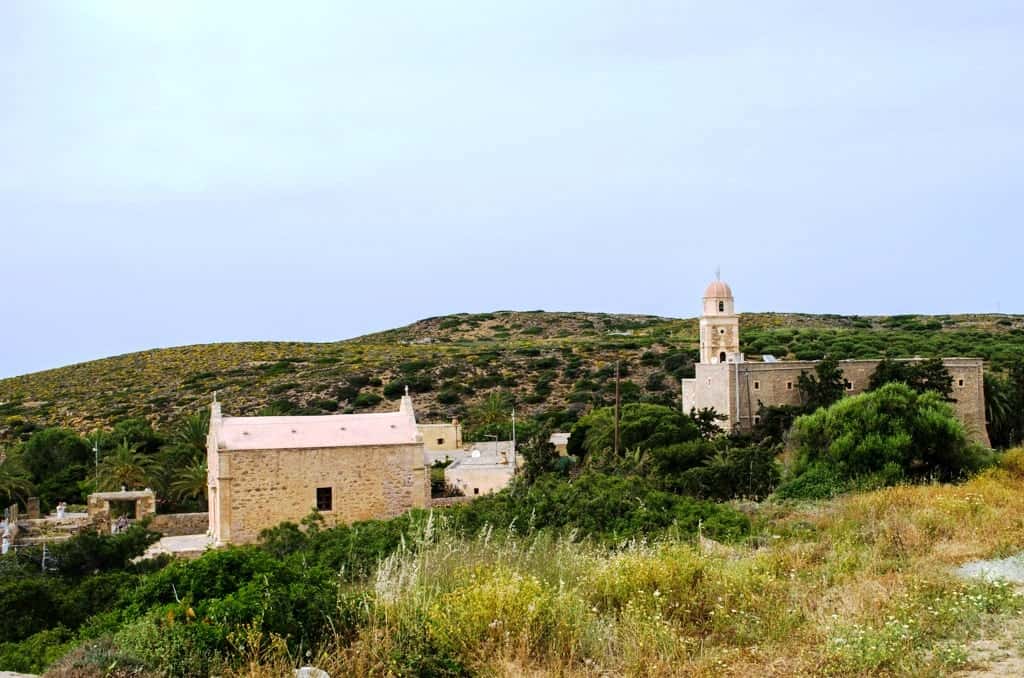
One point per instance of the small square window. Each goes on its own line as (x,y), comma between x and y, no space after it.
(849,386)
(476,490)
(757,418)
(960,382)
(440,441)
(757,386)
(789,386)
(324,500)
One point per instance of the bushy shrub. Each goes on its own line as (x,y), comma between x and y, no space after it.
(35,653)
(607,507)
(880,432)
(366,400)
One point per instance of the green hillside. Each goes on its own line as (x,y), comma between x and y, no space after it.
(553,362)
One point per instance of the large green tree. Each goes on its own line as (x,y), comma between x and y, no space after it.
(892,429)
(57,459)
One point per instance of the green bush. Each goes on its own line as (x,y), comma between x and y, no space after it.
(366,400)
(865,434)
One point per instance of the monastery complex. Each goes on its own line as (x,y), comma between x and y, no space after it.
(266,470)
(736,387)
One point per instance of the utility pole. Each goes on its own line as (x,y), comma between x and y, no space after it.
(515,466)
(617,408)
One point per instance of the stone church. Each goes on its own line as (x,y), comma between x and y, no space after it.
(736,387)
(262,471)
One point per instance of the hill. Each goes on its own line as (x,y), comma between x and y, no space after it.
(561,363)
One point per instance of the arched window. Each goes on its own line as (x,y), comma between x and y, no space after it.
(721,357)
(721,307)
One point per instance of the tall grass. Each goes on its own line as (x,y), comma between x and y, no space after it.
(861,585)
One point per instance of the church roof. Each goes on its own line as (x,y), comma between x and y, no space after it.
(333,430)
(717,290)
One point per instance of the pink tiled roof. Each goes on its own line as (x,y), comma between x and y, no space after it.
(335,430)
(717,290)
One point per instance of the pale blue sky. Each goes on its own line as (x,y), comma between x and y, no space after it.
(191,172)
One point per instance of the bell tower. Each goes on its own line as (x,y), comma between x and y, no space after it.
(719,326)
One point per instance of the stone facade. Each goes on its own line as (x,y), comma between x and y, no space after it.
(179,524)
(266,470)
(737,388)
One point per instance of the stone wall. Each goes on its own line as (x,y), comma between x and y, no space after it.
(179,524)
(441,437)
(257,489)
(772,384)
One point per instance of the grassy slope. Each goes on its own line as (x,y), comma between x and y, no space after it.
(860,585)
(547,360)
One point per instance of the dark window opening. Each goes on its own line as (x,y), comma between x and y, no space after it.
(324,500)
(757,386)
(476,490)
(440,441)
(721,357)
(789,386)
(960,382)
(721,307)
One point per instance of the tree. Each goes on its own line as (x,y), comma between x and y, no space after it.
(191,482)
(642,426)
(191,433)
(926,375)
(125,466)
(826,385)
(999,412)
(706,419)
(890,428)
(493,417)
(15,483)
(1015,380)
(57,459)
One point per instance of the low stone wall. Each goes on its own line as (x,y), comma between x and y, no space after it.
(179,524)
(441,502)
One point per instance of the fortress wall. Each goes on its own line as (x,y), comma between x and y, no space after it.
(775,384)
(262,488)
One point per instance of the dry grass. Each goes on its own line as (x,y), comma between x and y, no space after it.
(858,586)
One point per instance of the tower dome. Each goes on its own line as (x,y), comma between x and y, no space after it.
(718,290)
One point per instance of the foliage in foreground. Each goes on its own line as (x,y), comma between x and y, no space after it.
(860,586)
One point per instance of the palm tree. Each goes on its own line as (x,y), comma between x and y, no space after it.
(191,482)
(14,481)
(191,433)
(125,466)
(998,410)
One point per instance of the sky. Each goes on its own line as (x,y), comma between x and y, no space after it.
(194,172)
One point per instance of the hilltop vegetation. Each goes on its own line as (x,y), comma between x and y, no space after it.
(561,364)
